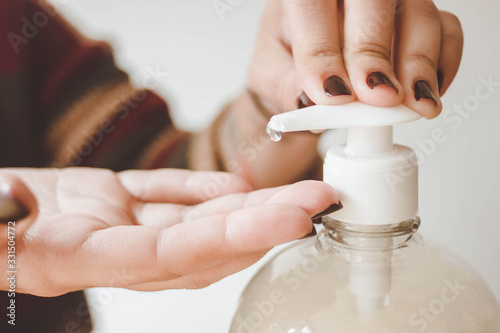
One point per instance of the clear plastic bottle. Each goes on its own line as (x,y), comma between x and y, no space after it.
(371,279)
(368,270)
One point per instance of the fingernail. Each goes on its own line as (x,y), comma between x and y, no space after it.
(378,78)
(335,86)
(11,209)
(423,90)
(317,219)
(304,101)
(311,234)
(440,79)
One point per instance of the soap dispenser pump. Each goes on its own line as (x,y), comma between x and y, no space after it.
(368,270)
(376,179)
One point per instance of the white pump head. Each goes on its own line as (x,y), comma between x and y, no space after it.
(376,179)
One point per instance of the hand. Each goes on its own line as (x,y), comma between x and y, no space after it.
(147,230)
(381,52)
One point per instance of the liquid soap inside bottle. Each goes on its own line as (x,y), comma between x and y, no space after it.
(387,280)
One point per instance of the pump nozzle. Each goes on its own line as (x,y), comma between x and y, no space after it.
(355,114)
(376,180)
(369,127)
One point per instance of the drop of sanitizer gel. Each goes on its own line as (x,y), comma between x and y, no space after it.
(273,134)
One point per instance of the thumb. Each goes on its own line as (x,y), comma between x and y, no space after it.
(17,203)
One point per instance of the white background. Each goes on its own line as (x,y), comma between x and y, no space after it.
(206,59)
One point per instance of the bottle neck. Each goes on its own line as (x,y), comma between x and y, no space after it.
(366,237)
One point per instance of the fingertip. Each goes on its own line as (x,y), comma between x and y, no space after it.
(425,99)
(425,108)
(309,195)
(335,85)
(328,88)
(431,113)
(382,96)
(325,193)
(375,87)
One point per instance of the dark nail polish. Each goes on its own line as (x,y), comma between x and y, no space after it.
(11,209)
(317,219)
(440,79)
(377,78)
(335,86)
(304,101)
(423,90)
(311,234)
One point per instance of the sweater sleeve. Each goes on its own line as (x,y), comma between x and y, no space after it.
(73,106)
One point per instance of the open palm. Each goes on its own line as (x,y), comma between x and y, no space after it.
(152,230)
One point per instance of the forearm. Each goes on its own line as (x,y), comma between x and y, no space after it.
(237,142)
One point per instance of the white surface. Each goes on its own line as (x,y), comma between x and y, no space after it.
(206,60)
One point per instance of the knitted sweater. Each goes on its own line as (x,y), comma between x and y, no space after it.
(63,102)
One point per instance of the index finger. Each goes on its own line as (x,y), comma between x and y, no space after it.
(141,254)
(315,40)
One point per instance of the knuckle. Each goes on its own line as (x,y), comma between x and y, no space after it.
(370,49)
(433,114)
(421,59)
(302,5)
(323,48)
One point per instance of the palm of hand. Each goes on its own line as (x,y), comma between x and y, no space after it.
(74,204)
(152,230)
